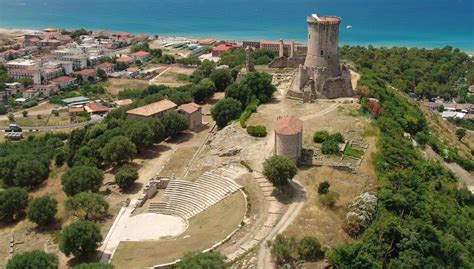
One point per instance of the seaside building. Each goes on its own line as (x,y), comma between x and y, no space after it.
(216,51)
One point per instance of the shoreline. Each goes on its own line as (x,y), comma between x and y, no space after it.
(378,44)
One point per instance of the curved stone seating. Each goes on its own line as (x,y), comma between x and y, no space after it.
(187,199)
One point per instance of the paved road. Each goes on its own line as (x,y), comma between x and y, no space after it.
(94,119)
(264,255)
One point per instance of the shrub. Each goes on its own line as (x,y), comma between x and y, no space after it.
(323,187)
(320,136)
(309,249)
(257,131)
(208,260)
(337,137)
(80,238)
(95,265)
(41,210)
(60,158)
(330,147)
(279,170)
(35,259)
(30,173)
(246,165)
(24,113)
(360,213)
(126,176)
(284,249)
(329,199)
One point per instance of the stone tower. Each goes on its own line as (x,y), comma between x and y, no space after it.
(323,40)
(322,75)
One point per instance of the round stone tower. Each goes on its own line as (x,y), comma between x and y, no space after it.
(289,137)
(323,39)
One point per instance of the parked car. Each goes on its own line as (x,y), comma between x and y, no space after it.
(13,128)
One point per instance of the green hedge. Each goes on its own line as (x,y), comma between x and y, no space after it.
(257,131)
(251,108)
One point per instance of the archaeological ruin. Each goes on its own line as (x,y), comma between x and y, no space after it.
(319,74)
(289,137)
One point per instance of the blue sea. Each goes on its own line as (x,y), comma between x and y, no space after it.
(413,23)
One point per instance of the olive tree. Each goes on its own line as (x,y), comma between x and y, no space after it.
(41,210)
(82,178)
(279,170)
(80,239)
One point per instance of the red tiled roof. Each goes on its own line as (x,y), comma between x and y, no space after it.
(132,69)
(189,107)
(63,79)
(288,126)
(105,65)
(140,54)
(125,59)
(124,102)
(73,109)
(225,47)
(95,107)
(153,108)
(86,72)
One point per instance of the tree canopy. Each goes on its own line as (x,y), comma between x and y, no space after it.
(87,206)
(35,259)
(118,150)
(41,210)
(279,170)
(13,202)
(126,176)
(81,239)
(81,178)
(225,110)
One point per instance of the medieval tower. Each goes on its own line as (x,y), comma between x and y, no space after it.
(322,75)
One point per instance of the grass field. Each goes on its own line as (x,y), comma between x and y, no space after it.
(353,152)
(204,230)
(116,85)
(180,158)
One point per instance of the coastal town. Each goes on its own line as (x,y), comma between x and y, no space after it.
(124,150)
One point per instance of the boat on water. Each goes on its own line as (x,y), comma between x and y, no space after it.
(348,27)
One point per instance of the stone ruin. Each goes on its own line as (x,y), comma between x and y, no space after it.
(319,74)
(151,188)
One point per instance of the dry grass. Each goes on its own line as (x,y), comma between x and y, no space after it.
(178,161)
(204,230)
(116,85)
(169,77)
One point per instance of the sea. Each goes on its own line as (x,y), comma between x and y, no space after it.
(411,23)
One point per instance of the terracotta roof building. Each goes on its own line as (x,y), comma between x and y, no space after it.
(193,114)
(216,51)
(124,102)
(96,108)
(152,110)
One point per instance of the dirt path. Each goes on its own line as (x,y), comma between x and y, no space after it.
(153,80)
(321,113)
(264,255)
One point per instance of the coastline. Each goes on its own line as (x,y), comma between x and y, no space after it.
(20,31)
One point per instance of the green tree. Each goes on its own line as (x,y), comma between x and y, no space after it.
(13,202)
(126,176)
(81,178)
(119,150)
(101,74)
(87,206)
(225,110)
(203,71)
(320,136)
(41,210)
(24,113)
(283,249)
(80,239)
(330,147)
(35,259)
(198,260)
(240,93)
(461,133)
(279,171)
(260,85)
(96,265)
(323,187)
(222,78)
(309,249)
(203,90)
(30,173)
(140,133)
(173,123)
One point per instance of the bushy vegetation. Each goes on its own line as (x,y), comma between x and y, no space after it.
(257,131)
(208,260)
(33,260)
(423,218)
(279,170)
(81,239)
(320,136)
(95,265)
(41,210)
(236,57)
(126,176)
(423,72)
(87,206)
(226,110)
(288,250)
(13,202)
(81,178)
